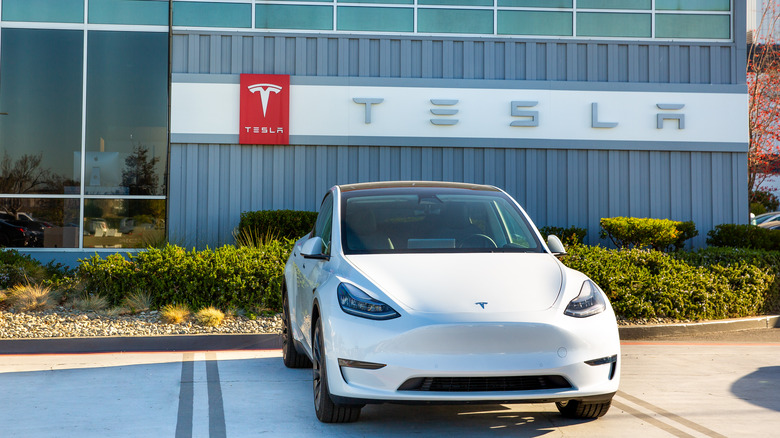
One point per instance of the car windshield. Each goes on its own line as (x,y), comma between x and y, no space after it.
(440,220)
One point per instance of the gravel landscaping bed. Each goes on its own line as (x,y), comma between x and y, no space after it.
(68,323)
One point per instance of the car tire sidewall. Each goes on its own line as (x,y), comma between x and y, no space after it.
(322,401)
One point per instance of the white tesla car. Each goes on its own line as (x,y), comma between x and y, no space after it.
(430,292)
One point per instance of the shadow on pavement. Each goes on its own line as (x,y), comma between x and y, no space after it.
(760,387)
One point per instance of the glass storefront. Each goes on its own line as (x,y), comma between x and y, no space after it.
(83,117)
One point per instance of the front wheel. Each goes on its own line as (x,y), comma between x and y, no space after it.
(580,409)
(326,410)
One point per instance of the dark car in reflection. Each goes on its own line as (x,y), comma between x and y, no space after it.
(12,235)
(34,228)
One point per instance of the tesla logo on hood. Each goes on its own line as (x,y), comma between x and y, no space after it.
(481,304)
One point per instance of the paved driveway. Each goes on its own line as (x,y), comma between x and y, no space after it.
(683,389)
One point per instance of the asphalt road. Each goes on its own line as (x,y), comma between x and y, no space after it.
(723,385)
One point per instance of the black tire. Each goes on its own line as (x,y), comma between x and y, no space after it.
(580,409)
(290,355)
(326,410)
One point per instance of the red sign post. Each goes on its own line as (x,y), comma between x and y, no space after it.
(265,109)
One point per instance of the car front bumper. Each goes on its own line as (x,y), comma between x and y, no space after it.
(385,361)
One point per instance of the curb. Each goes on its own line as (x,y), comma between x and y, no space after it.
(639,332)
(141,344)
(176,343)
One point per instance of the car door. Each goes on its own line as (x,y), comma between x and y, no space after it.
(311,272)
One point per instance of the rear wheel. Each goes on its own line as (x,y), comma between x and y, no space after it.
(327,411)
(292,358)
(582,409)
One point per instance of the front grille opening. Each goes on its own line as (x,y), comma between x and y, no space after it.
(484,384)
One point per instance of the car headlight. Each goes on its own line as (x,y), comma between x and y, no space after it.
(356,302)
(589,302)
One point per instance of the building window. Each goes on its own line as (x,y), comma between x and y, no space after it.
(127,113)
(142,12)
(208,14)
(294,17)
(52,11)
(40,98)
(124,223)
(376,19)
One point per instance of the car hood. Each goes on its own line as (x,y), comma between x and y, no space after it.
(454,283)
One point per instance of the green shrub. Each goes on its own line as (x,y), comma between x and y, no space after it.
(659,234)
(744,236)
(765,198)
(767,261)
(646,284)
(224,277)
(282,224)
(16,268)
(757,208)
(569,236)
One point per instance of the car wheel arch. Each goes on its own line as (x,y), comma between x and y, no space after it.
(315,316)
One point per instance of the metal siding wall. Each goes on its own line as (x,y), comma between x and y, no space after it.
(453,58)
(213,184)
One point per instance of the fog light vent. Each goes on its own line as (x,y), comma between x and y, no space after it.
(484,384)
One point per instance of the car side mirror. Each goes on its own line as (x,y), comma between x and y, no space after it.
(556,246)
(313,249)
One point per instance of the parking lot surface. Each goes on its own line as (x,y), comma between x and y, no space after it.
(680,388)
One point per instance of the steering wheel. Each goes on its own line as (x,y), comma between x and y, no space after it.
(478,241)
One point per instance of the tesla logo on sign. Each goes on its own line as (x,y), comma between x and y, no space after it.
(265,109)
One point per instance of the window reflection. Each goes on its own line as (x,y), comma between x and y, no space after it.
(123,223)
(127,98)
(41,93)
(39,222)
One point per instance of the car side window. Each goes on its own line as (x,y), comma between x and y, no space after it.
(324,224)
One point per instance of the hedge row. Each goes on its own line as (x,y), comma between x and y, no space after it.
(276,224)
(659,234)
(699,285)
(744,236)
(569,236)
(226,277)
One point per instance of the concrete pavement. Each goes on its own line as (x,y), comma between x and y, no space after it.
(677,388)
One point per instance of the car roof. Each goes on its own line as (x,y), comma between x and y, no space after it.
(409,184)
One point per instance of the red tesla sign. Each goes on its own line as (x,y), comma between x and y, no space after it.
(265,109)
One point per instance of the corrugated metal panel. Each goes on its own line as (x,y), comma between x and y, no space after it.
(212,184)
(453,58)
